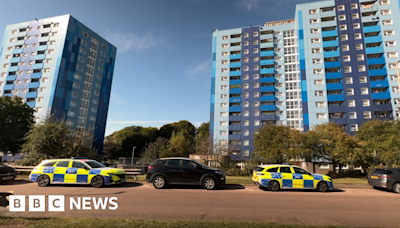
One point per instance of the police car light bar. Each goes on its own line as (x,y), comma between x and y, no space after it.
(78,158)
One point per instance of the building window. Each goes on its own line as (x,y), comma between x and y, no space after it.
(364,91)
(344,37)
(360,57)
(246,123)
(354,6)
(343,27)
(385,12)
(355,16)
(357,36)
(223,123)
(351,103)
(319,93)
(314,21)
(367,115)
(349,80)
(314,30)
(347,69)
(315,40)
(352,115)
(316,50)
(345,47)
(349,92)
(318,71)
(393,77)
(321,116)
(346,58)
(384,2)
(361,68)
(313,11)
(389,33)
(342,17)
(353,127)
(387,22)
(318,82)
(390,43)
(392,54)
(320,104)
(341,8)
(365,102)
(255,34)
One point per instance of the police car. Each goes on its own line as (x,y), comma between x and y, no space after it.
(76,171)
(275,177)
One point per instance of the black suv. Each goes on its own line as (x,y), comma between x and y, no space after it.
(183,171)
(388,178)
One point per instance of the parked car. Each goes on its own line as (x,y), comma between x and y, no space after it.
(388,178)
(76,171)
(7,173)
(275,177)
(165,171)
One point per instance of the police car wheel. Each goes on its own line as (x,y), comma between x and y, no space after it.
(43,180)
(97,181)
(209,183)
(159,182)
(322,187)
(396,188)
(273,186)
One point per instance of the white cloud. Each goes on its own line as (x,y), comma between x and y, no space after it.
(125,41)
(250,5)
(202,68)
(115,98)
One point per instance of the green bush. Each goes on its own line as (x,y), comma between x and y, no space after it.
(347,173)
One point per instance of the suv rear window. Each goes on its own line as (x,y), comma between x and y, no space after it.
(259,169)
(382,171)
(174,162)
(163,162)
(272,170)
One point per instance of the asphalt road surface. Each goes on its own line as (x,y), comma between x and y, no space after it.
(343,207)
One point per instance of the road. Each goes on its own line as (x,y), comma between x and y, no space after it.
(344,207)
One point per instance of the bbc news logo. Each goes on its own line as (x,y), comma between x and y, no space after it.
(56,203)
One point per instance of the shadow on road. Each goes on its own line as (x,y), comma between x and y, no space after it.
(221,188)
(383,190)
(306,190)
(15,182)
(123,185)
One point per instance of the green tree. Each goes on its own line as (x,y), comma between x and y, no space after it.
(181,145)
(15,121)
(154,149)
(203,130)
(111,151)
(183,125)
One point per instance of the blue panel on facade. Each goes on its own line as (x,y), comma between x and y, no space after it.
(340,121)
(235,73)
(235,82)
(374,50)
(13,68)
(34,85)
(267,71)
(268,98)
(37,66)
(378,96)
(268,80)
(338,97)
(379,84)
(267,89)
(38,57)
(267,62)
(235,127)
(383,108)
(375,28)
(235,109)
(336,109)
(31,94)
(381,72)
(267,53)
(41,48)
(15,59)
(373,39)
(332,43)
(332,64)
(237,56)
(329,33)
(235,118)
(268,117)
(239,64)
(333,75)
(8,87)
(17,51)
(329,54)
(268,107)
(31,104)
(336,86)
(36,75)
(11,77)
(235,91)
(235,100)
(376,61)
(235,137)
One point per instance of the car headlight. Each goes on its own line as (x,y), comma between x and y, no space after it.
(219,172)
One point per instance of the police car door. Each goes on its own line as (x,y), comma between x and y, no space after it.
(80,173)
(287,177)
(60,171)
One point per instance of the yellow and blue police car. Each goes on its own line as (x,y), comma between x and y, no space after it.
(275,177)
(76,171)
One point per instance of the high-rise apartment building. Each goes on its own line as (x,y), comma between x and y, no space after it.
(334,62)
(59,67)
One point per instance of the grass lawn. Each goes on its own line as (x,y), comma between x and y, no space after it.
(120,223)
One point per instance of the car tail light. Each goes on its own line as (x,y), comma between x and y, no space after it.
(385,176)
(150,167)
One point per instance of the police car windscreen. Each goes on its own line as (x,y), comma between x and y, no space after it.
(259,169)
(95,164)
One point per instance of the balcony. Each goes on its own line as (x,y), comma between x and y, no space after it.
(384,108)
(334,75)
(268,89)
(268,36)
(267,53)
(36,75)
(332,43)
(235,100)
(11,77)
(235,109)
(332,64)
(328,23)
(31,94)
(37,66)
(267,44)
(34,85)
(238,64)
(13,68)
(236,40)
(338,86)
(235,118)
(235,127)
(237,56)
(15,59)
(41,48)
(267,62)
(380,72)
(268,80)
(267,71)
(340,121)
(376,61)
(336,109)
(375,28)
(8,87)
(268,117)
(364,9)
(31,104)
(235,73)
(267,98)
(235,91)
(374,50)
(235,137)
(268,108)
(328,54)
(329,33)
(379,84)
(373,39)
(380,96)
(337,97)
(17,51)
(38,57)
(235,82)
(331,13)
(236,48)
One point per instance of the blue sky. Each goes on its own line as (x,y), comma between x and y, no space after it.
(163,65)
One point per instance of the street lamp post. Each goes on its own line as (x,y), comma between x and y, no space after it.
(133,153)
